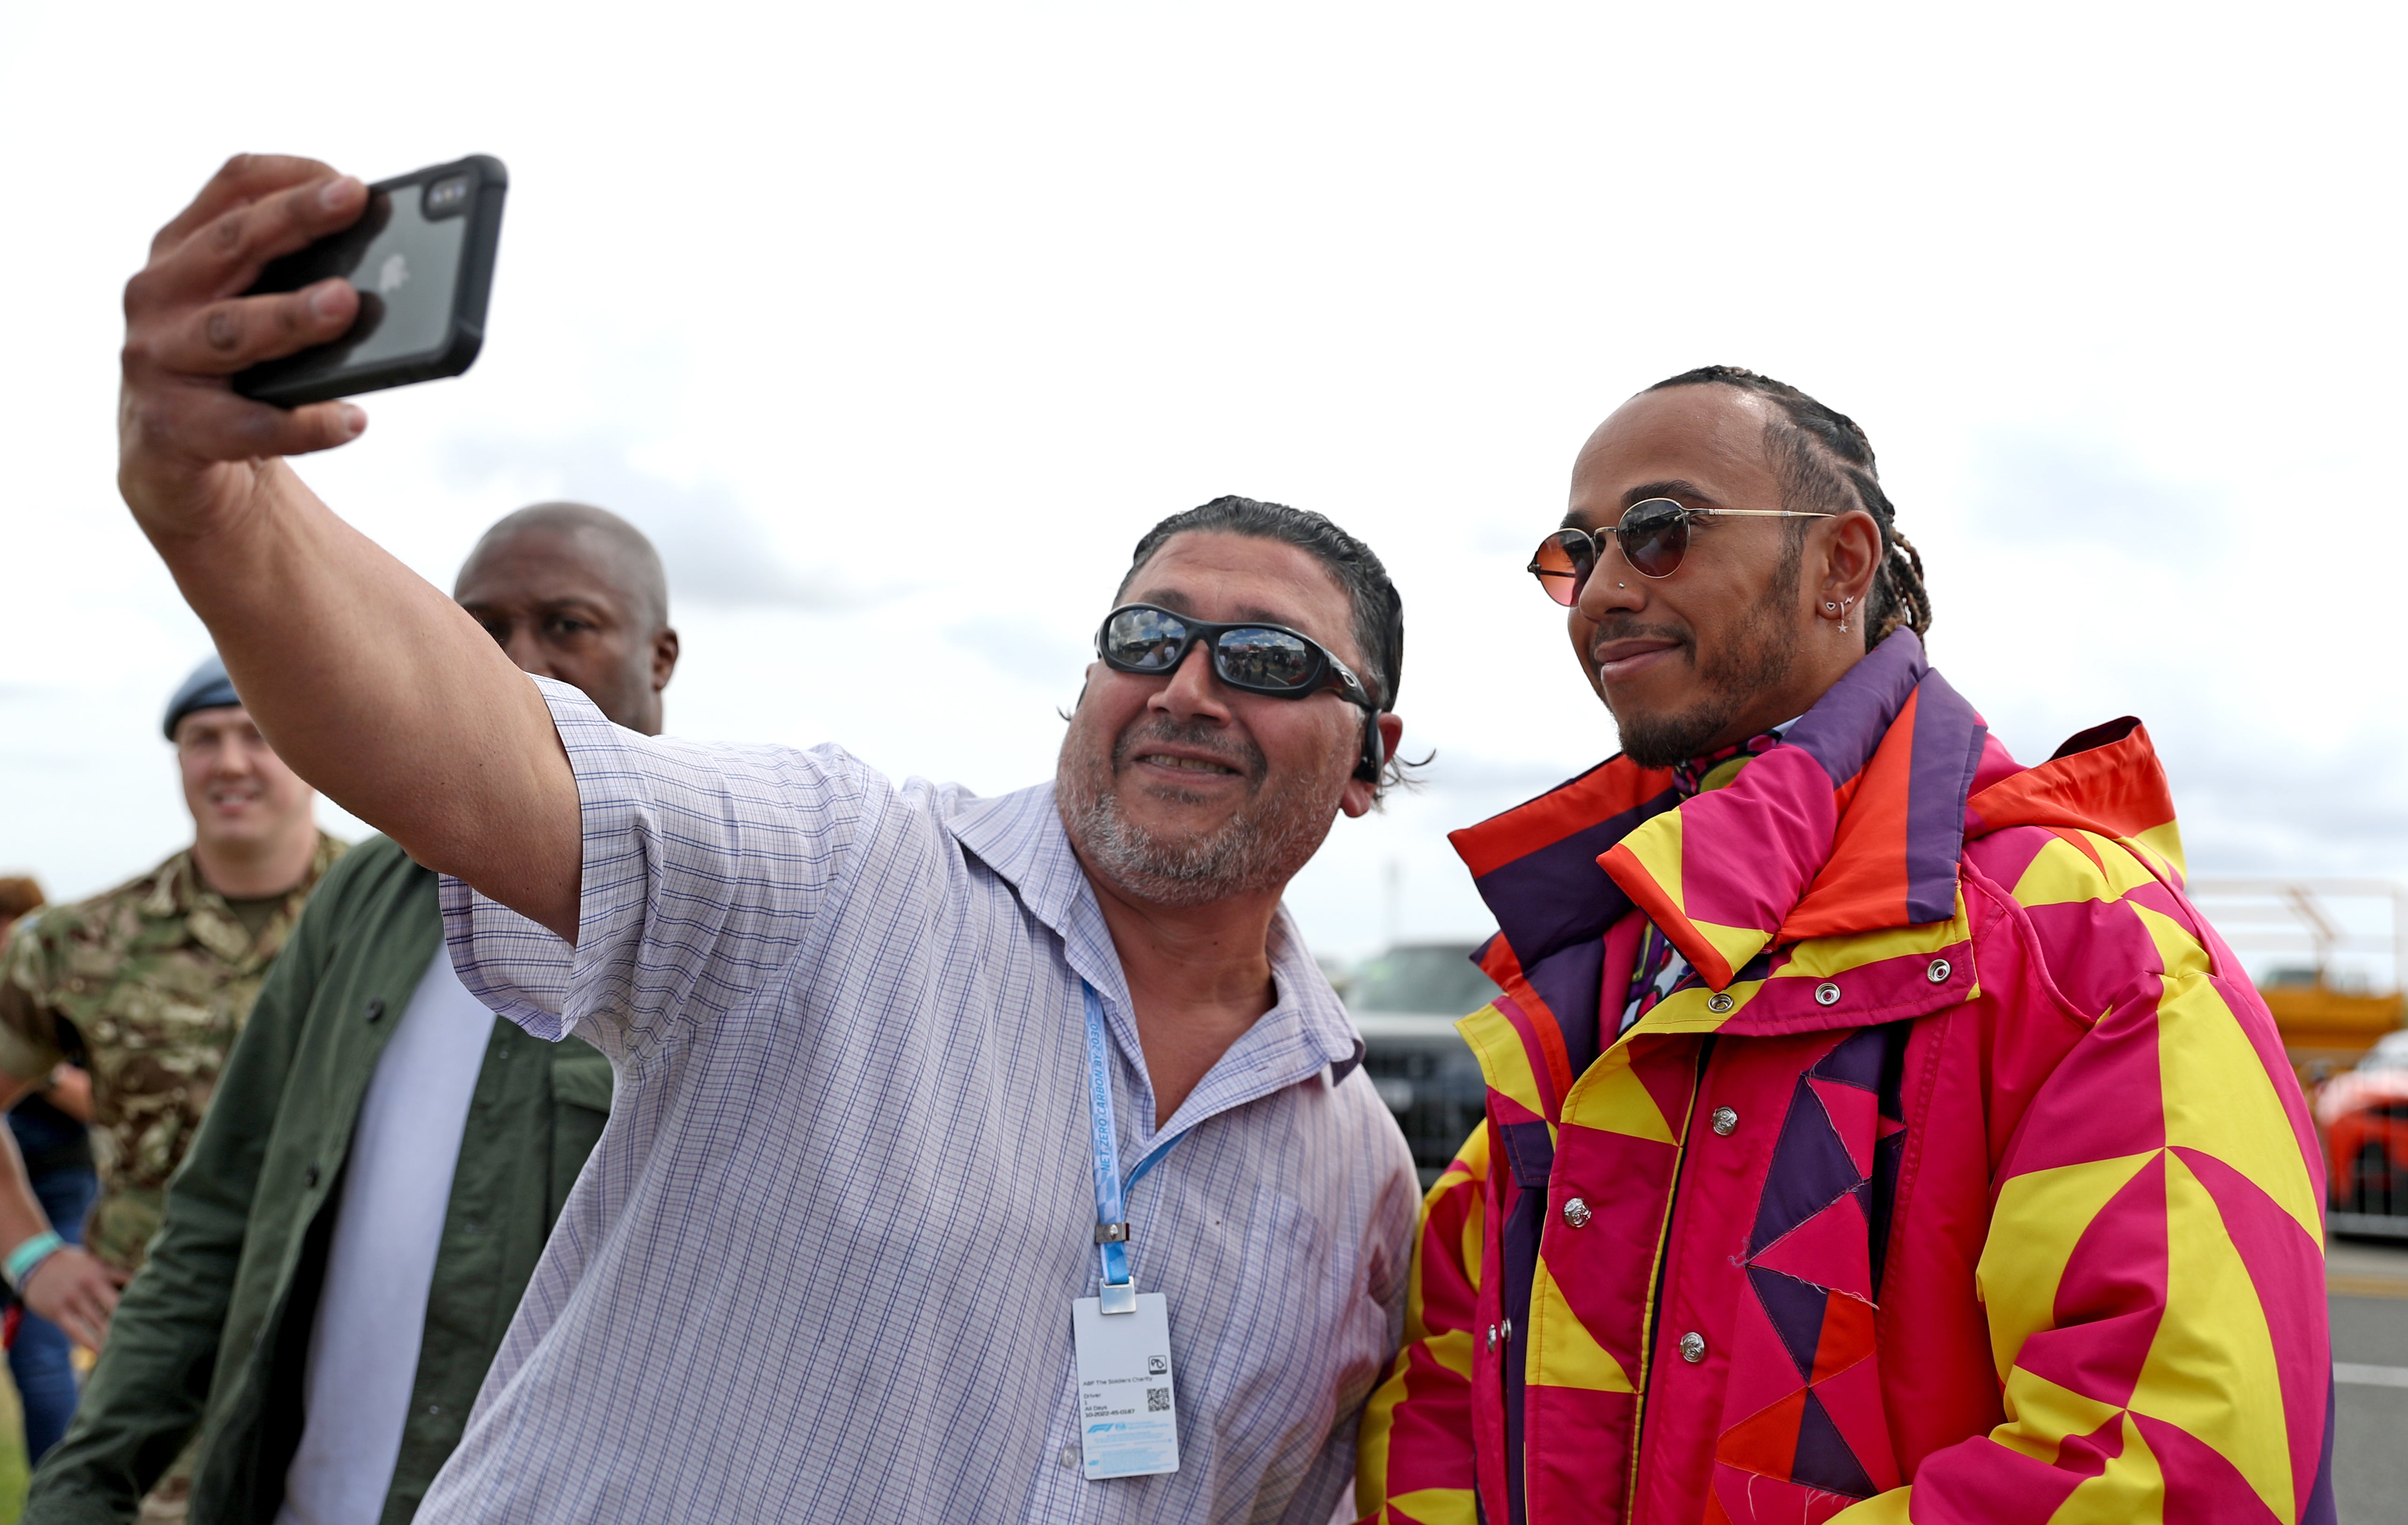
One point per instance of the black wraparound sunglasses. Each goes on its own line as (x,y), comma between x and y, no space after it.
(1654,536)
(1256,658)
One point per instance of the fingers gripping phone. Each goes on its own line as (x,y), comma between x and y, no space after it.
(422,258)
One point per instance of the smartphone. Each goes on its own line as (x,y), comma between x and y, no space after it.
(422,258)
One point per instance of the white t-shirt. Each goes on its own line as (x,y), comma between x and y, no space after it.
(372,1311)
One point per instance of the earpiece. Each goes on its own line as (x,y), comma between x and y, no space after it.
(1375,751)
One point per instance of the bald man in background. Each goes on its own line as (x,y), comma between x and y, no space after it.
(381,1145)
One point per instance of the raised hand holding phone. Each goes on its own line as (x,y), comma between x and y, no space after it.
(190,448)
(370,682)
(421,258)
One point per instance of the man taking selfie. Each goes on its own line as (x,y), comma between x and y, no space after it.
(971,1158)
(1875,1131)
(348,1236)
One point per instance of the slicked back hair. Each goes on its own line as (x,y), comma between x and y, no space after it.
(1824,465)
(1379,612)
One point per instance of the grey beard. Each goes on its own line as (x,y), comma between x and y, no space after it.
(1244,857)
(1260,847)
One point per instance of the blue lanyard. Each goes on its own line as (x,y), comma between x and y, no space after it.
(1118,1292)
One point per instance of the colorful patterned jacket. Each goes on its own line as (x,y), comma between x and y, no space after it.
(1964,1179)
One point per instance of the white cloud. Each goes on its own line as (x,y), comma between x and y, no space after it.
(898,328)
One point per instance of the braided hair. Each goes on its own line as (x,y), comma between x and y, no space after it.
(1826,466)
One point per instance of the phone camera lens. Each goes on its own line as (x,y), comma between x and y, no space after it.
(447,196)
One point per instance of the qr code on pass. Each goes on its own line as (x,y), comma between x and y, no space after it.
(1156,1399)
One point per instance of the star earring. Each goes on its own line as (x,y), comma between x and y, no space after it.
(1844,614)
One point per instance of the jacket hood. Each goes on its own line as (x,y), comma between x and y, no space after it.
(1846,835)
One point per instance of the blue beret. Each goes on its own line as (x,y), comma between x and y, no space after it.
(208,688)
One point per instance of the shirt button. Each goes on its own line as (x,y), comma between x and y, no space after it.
(1576,1212)
(1492,1336)
(1724,1119)
(309,1177)
(1505,1331)
(1070,1456)
(1720,1001)
(1826,994)
(1693,1347)
(1939,971)
(375,1008)
(434,1408)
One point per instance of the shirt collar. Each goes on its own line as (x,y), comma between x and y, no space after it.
(1020,837)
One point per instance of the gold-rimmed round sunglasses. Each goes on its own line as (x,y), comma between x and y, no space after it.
(1653,534)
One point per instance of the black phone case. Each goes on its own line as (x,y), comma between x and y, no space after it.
(322,371)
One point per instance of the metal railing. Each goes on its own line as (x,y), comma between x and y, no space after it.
(2329,1022)
(2294,915)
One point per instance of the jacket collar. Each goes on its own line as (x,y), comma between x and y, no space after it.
(1854,822)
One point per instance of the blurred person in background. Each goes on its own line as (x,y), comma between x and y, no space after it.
(20,894)
(350,1234)
(964,1147)
(53,1140)
(157,978)
(1875,1131)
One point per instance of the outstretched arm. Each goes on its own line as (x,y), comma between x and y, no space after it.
(368,681)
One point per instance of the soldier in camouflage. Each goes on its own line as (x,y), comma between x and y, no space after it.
(157,976)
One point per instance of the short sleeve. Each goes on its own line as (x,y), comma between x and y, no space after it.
(706,869)
(29,1045)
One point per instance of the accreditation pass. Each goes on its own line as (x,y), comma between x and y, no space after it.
(1128,1412)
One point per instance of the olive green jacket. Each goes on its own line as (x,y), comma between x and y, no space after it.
(213,1333)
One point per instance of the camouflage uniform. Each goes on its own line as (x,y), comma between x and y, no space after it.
(158,976)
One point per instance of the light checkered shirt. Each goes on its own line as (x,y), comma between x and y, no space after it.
(821,1265)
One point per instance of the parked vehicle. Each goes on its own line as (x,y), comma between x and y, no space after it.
(1405,1003)
(2364,1113)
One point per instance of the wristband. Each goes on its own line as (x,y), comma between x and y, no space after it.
(33,1252)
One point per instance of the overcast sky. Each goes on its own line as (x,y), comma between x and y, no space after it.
(896,325)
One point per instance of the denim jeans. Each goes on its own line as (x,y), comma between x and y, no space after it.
(39,1360)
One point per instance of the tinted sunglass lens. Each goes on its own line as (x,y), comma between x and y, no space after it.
(1655,536)
(1144,640)
(1564,561)
(1264,659)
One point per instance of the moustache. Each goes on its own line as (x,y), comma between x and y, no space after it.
(1195,735)
(1609,631)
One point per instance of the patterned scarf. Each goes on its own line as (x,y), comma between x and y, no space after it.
(1659,968)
